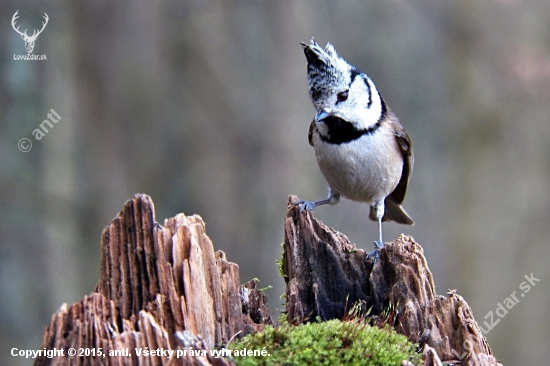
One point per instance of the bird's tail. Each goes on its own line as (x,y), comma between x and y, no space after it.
(393,212)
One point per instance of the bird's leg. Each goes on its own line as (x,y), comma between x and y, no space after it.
(332,199)
(379,213)
(380,243)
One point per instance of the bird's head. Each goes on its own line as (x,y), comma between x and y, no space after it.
(340,90)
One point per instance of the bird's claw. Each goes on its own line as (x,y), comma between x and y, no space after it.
(306,205)
(374,254)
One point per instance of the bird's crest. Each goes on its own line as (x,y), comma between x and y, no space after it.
(327,71)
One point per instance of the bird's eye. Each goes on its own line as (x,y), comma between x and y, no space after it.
(342,96)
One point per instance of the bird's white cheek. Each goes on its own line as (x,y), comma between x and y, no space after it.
(368,116)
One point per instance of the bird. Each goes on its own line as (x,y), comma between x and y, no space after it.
(362,150)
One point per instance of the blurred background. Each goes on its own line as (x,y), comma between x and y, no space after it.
(203,105)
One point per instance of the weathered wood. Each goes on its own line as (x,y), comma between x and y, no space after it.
(161,288)
(164,287)
(326,275)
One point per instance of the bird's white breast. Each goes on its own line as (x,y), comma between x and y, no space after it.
(366,169)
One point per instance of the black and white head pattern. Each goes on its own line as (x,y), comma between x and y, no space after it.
(346,96)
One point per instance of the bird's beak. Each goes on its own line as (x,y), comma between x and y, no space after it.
(321,115)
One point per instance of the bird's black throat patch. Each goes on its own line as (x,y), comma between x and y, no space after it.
(341,131)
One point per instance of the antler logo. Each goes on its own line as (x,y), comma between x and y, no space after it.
(29,40)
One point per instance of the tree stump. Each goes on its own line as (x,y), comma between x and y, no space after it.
(326,275)
(164,288)
(160,287)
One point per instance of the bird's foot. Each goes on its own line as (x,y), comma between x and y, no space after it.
(374,254)
(306,205)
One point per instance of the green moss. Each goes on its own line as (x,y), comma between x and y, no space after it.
(332,342)
(280,262)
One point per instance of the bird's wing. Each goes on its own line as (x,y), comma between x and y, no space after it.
(404,143)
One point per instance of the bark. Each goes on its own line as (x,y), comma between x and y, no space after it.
(164,288)
(161,287)
(326,276)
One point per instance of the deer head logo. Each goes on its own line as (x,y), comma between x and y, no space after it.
(29,40)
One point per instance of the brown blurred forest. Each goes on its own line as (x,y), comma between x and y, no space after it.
(203,105)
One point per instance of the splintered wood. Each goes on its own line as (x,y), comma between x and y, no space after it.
(163,289)
(326,276)
(160,288)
